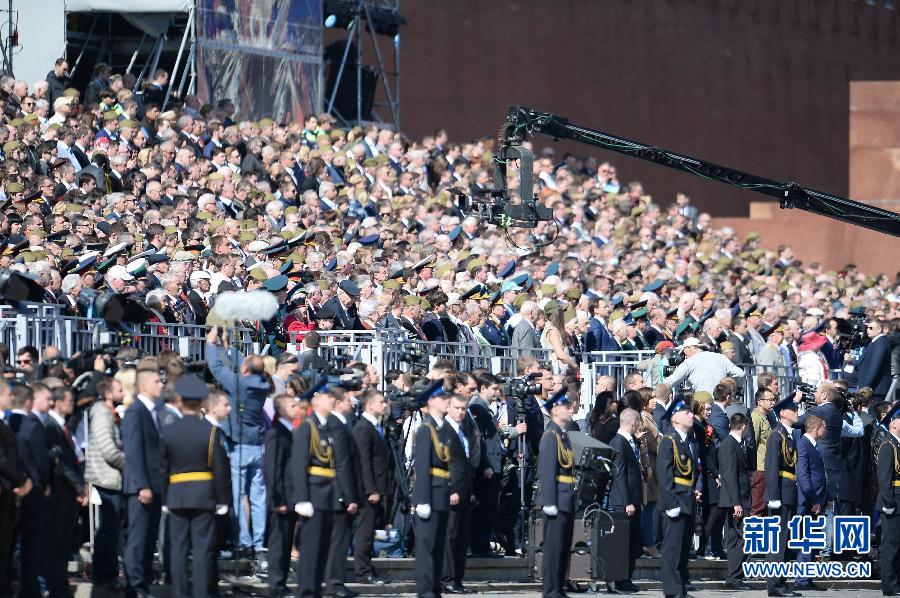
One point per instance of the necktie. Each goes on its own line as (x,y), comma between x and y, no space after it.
(637,451)
(462,438)
(380,429)
(154,413)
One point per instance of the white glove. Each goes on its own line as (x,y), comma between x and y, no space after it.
(774,504)
(673,513)
(304,509)
(221,509)
(165,509)
(888,511)
(423,511)
(551,510)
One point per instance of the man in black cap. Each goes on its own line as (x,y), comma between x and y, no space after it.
(343,304)
(196,486)
(677,496)
(556,497)
(781,484)
(431,492)
(889,503)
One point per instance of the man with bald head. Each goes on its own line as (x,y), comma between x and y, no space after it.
(245,432)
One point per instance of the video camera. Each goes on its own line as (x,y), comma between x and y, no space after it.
(521,388)
(673,358)
(808,391)
(400,402)
(852,333)
(415,357)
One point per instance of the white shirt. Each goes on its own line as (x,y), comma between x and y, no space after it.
(455,425)
(734,434)
(212,420)
(810,438)
(340,416)
(150,405)
(322,420)
(371,419)
(439,421)
(286,424)
(58,418)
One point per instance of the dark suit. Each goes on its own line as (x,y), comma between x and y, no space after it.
(346,462)
(67,483)
(140,442)
(11,476)
(874,368)
(555,479)
(734,491)
(192,447)
(889,497)
(811,486)
(458,521)
(741,348)
(432,487)
(347,316)
(718,419)
(34,458)
(781,485)
(675,469)
(313,447)
(628,489)
(373,460)
(278,484)
(311,360)
(487,490)
(664,425)
(199,306)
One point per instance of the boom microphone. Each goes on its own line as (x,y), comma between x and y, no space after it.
(246,305)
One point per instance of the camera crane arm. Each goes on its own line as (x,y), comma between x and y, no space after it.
(522,120)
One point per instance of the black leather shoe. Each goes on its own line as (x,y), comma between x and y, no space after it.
(343,592)
(461,589)
(690,588)
(371,580)
(809,587)
(627,587)
(737,586)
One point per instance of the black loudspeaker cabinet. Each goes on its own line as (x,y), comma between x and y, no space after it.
(603,556)
(345,100)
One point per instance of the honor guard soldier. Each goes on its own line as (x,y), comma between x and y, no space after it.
(889,502)
(677,495)
(314,475)
(556,494)
(431,492)
(196,485)
(781,484)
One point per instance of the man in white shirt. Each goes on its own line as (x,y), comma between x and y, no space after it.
(703,369)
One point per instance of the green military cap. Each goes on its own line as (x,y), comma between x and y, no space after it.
(619,233)
(248,224)
(214,224)
(381,159)
(246,237)
(443,269)
(15,187)
(171,230)
(71,92)
(336,134)
(782,287)
(756,284)
(203,216)
(692,281)
(752,236)
(463,255)
(551,306)
(11,145)
(573,294)
(370,163)
(475,263)
(68,252)
(16,122)
(616,315)
(324,284)
(215,177)
(31,118)
(547,289)
(391,284)
(637,210)
(680,329)
(752,267)
(287,210)
(570,314)
(287,235)
(639,314)
(128,124)
(265,122)
(258,274)
(74,208)
(520,300)
(425,305)
(870,282)
(411,300)
(110,115)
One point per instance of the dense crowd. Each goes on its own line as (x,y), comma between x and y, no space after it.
(358,229)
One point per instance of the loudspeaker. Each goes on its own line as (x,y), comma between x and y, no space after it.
(609,546)
(345,100)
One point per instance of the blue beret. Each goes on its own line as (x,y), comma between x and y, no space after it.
(286,267)
(156,258)
(349,287)
(677,405)
(370,239)
(522,279)
(454,232)
(276,283)
(191,388)
(435,389)
(552,269)
(507,269)
(561,397)
(331,264)
(618,300)
(599,242)
(103,225)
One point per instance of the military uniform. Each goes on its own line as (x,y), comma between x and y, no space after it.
(556,479)
(675,468)
(314,476)
(889,506)
(781,488)
(196,483)
(432,487)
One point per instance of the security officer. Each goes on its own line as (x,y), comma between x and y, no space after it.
(313,467)
(781,484)
(556,493)
(196,485)
(431,492)
(677,496)
(889,503)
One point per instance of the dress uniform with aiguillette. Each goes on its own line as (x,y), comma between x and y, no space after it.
(889,503)
(314,477)
(781,487)
(196,484)
(431,497)
(556,496)
(675,468)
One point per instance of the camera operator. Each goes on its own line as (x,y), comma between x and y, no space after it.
(703,369)
(309,357)
(840,421)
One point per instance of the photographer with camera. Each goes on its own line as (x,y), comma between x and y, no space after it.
(702,369)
